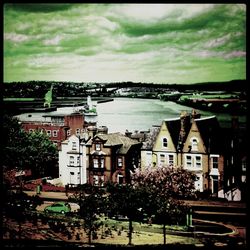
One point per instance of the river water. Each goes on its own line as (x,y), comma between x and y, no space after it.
(140,114)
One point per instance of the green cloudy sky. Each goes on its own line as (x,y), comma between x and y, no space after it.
(160,43)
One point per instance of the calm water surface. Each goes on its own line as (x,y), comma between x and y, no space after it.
(139,114)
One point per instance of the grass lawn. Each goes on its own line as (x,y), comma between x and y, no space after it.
(142,234)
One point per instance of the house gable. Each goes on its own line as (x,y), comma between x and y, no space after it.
(194,142)
(164,140)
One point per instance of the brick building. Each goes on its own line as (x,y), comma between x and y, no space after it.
(57,126)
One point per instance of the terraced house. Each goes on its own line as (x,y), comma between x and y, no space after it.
(190,142)
(111,157)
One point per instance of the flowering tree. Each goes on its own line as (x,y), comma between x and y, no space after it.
(163,189)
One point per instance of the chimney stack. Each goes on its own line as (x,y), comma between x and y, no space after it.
(185,120)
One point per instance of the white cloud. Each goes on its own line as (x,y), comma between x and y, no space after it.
(53,41)
(14,37)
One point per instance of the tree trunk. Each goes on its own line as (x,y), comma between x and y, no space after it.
(164,234)
(130,231)
(89,234)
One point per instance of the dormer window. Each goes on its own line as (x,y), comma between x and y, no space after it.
(97,146)
(165,142)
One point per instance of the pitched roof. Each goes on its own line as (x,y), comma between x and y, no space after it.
(116,139)
(211,133)
(208,126)
(150,138)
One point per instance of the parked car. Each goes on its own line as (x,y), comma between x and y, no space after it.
(58,207)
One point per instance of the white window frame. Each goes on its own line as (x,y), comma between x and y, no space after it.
(212,157)
(95,180)
(193,165)
(97,146)
(74,145)
(198,184)
(120,162)
(170,162)
(55,133)
(194,143)
(164,141)
(95,163)
(69,132)
(78,131)
(162,159)
(102,162)
(244,164)
(71,160)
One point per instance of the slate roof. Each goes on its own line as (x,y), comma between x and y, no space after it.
(123,142)
(208,126)
(211,133)
(150,138)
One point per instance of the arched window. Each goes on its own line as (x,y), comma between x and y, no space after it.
(165,142)
(194,144)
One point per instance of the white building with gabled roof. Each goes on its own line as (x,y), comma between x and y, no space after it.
(72,161)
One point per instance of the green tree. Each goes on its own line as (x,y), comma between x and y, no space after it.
(125,200)
(23,150)
(92,204)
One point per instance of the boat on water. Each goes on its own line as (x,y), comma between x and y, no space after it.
(89,109)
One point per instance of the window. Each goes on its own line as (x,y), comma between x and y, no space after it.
(162,159)
(73,145)
(98,180)
(31,130)
(72,173)
(95,180)
(214,161)
(119,178)
(170,160)
(194,144)
(78,131)
(101,180)
(49,133)
(69,132)
(244,164)
(98,147)
(119,162)
(193,161)
(55,133)
(102,163)
(188,161)
(71,161)
(165,142)
(78,160)
(198,161)
(95,161)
